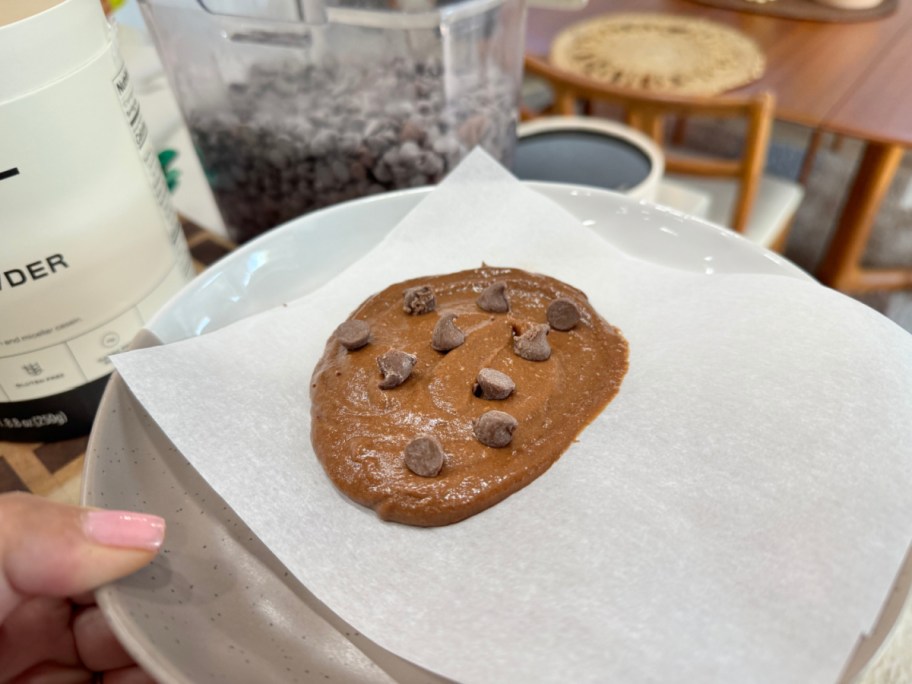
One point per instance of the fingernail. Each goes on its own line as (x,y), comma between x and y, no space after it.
(125,528)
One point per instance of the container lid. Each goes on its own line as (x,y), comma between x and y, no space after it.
(382,14)
(581,157)
(588,151)
(42,41)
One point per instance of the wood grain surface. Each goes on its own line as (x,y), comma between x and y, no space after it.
(805,9)
(815,69)
(845,78)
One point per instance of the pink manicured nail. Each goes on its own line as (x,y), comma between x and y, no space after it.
(125,528)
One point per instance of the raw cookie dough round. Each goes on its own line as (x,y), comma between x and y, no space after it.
(360,431)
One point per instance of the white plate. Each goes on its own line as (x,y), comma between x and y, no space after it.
(293,259)
(216,605)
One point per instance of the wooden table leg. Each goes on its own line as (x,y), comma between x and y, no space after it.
(840,267)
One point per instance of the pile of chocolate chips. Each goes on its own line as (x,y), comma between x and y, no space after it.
(424,455)
(294,138)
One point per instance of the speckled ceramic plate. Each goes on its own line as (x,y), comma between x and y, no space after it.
(216,606)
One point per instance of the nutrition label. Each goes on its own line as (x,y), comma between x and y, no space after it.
(81,359)
(123,85)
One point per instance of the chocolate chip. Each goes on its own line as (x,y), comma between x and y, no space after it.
(533,345)
(353,334)
(563,314)
(446,335)
(494,298)
(492,384)
(424,456)
(419,300)
(494,428)
(395,366)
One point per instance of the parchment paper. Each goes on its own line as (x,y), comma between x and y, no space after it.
(736,514)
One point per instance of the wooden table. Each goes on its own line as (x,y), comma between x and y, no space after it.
(846,78)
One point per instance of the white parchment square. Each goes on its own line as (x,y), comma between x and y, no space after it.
(736,514)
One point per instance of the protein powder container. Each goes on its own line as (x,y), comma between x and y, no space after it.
(90,246)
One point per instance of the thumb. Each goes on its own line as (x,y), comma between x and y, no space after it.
(52,549)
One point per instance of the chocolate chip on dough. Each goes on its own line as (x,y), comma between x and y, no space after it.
(424,456)
(419,300)
(353,334)
(396,366)
(492,384)
(533,345)
(494,298)
(494,428)
(563,314)
(446,335)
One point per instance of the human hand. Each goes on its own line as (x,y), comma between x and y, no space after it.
(51,557)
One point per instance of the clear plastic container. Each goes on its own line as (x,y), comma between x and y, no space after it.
(294,107)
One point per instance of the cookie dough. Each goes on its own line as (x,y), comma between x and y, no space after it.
(361,430)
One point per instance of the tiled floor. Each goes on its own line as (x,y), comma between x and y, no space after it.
(51,470)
